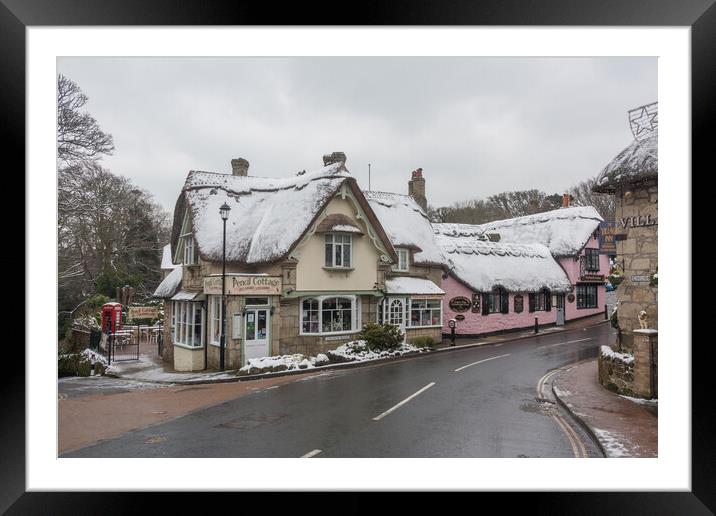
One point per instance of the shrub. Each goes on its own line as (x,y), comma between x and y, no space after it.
(381,337)
(68,364)
(424,341)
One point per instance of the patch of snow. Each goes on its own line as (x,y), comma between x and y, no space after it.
(93,356)
(641,401)
(623,357)
(357,351)
(279,363)
(615,445)
(409,285)
(562,393)
(167,263)
(637,162)
(345,228)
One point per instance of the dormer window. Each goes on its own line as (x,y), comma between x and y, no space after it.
(189,256)
(403,264)
(339,251)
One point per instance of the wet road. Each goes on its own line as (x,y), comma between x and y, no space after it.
(478,402)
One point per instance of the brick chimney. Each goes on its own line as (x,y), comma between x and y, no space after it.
(565,200)
(334,157)
(239,167)
(416,188)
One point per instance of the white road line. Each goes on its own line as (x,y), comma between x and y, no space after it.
(378,418)
(562,343)
(481,361)
(311,454)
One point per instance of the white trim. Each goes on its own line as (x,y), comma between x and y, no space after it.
(185,346)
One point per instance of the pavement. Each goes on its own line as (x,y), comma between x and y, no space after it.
(473,401)
(623,426)
(151,368)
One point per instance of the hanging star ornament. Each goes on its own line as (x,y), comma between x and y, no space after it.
(644,120)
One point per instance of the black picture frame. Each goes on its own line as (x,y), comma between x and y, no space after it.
(700,15)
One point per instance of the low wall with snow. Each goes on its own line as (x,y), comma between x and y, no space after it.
(616,371)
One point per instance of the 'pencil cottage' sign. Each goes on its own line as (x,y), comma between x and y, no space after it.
(245,284)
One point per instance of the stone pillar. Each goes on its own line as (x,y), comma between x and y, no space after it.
(645,343)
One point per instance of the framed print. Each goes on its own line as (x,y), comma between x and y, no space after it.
(383,169)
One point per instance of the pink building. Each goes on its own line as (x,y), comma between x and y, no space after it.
(504,274)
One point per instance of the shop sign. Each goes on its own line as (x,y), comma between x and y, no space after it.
(519,303)
(640,278)
(459,317)
(142,312)
(460,304)
(607,244)
(592,277)
(570,298)
(244,285)
(637,221)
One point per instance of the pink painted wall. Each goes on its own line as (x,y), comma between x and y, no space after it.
(476,323)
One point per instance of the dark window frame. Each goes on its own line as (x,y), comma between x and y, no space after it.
(591,260)
(586,294)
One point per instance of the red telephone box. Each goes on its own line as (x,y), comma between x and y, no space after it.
(111,317)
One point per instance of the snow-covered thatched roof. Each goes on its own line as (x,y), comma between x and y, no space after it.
(638,162)
(406,224)
(483,265)
(170,284)
(268,216)
(564,231)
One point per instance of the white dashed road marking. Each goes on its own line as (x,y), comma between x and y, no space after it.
(480,362)
(381,416)
(311,454)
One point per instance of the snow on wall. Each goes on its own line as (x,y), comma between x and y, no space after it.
(564,231)
(637,162)
(169,285)
(267,215)
(406,224)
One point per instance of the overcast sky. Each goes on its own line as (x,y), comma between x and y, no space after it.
(477,126)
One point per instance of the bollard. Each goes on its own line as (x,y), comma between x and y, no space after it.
(452,336)
(606,314)
(536,326)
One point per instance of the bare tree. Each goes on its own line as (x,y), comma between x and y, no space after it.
(79,138)
(582,195)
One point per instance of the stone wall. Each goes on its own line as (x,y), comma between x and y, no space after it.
(636,217)
(616,372)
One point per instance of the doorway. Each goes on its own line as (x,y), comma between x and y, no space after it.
(559,305)
(256,333)
(396,312)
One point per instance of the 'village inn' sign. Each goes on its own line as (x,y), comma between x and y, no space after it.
(244,284)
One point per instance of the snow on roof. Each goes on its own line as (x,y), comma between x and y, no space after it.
(483,265)
(638,162)
(406,224)
(409,285)
(267,215)
(564,231)
(167,258)
(169,285)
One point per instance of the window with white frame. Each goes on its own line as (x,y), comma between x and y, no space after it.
(189,257)
(338,250)
(215,308)
(329,314)
(188,321)
(425,312)
(403,260)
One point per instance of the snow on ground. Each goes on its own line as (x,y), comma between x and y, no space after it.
(615,445)
(282,363)
(91,384)
(357,351)
(641,401)
(148,370)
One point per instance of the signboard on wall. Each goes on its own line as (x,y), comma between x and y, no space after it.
(244,284)
(607,243)
(519,303)
(460,304)
(476,303)
(142,312)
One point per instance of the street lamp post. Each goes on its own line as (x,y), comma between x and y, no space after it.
(224,211)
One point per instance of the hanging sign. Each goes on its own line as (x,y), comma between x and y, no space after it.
(244,284)
(460,304)
(607,244)
(142,312)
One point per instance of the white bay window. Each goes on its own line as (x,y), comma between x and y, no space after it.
(330,314)
(188,324)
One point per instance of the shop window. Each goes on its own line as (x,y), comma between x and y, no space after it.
(332,314)
(403,264)
(215,307)
(188,320)
(591,257)
(496,301)
(425,312)
(586,296)
(338,251)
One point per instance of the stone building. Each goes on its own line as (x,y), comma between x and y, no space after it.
(308,263)
(632,177)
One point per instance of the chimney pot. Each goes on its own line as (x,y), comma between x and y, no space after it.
(333,157)
(239,167)
(565,200)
